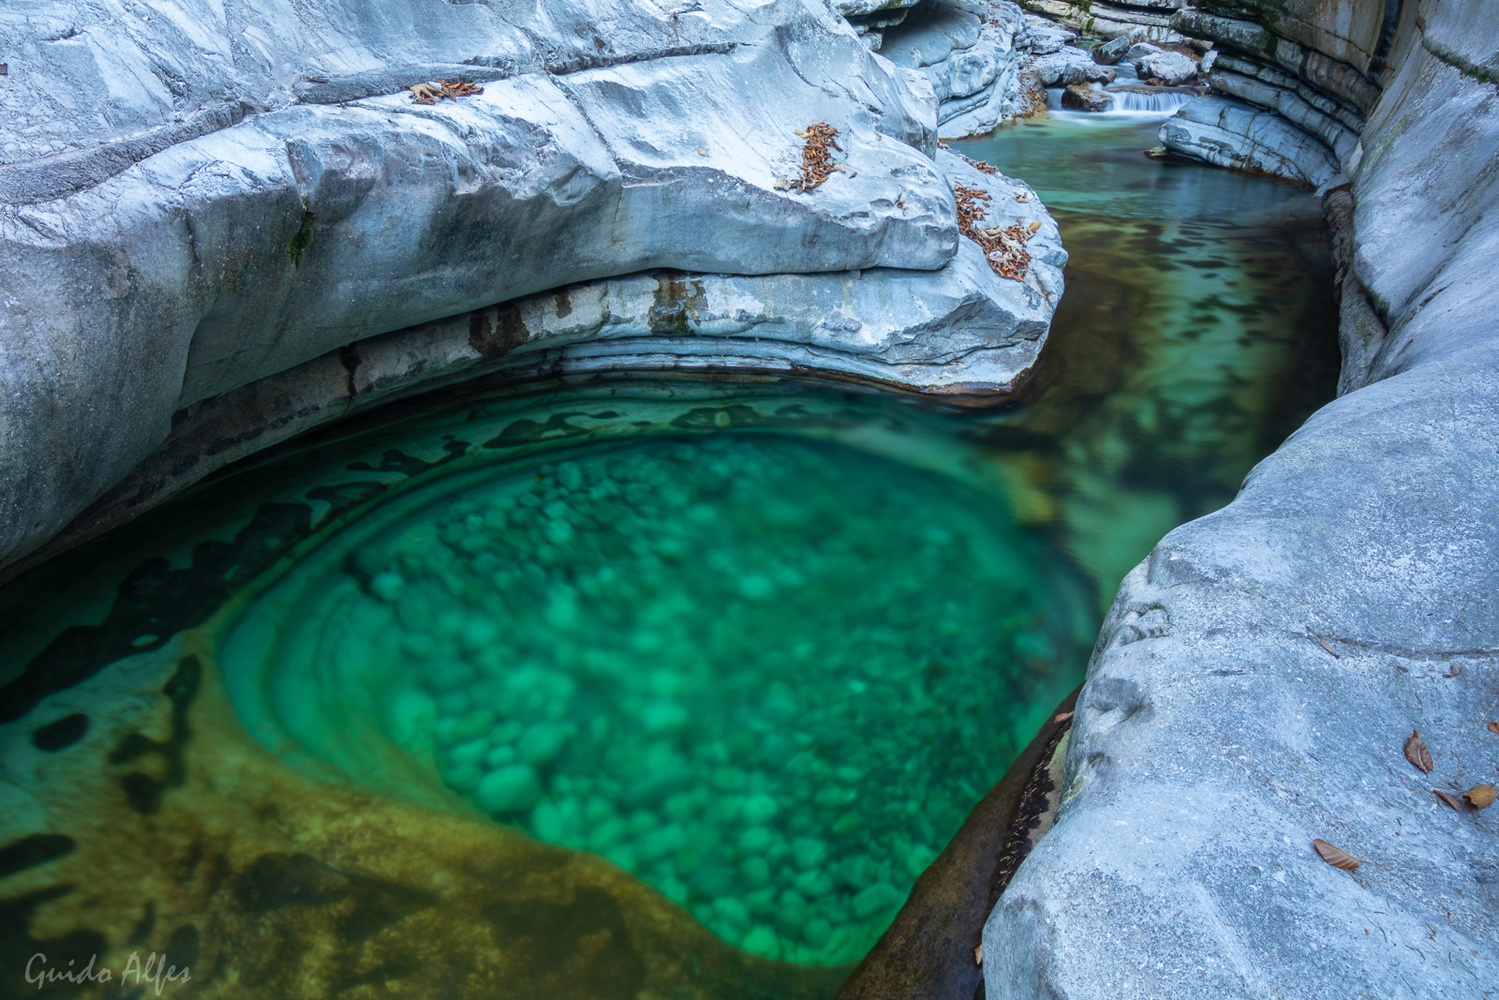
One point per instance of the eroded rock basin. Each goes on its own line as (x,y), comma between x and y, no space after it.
(750,652)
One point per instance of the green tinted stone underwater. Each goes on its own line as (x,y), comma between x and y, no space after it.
(760,672)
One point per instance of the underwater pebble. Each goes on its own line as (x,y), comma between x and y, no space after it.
(541,743)
(875,899)
(761,940)
(760,809)
(511,789)
(755,872)
(808,853)
(817,932)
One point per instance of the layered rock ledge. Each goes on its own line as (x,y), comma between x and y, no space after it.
(201,204)
(1260,672)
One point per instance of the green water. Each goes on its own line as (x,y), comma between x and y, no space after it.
(760,672)
(763,646)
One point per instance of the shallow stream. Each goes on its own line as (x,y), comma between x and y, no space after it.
(762,646)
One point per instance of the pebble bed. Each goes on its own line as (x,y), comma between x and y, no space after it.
(767,675)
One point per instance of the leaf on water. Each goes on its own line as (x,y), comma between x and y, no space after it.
(1451,800)
(1335,857)
(1416,752)
(1481,796)
(1327,646)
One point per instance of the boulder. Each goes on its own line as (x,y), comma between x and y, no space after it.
(1110,52)
(1080,97)
(1168,68)
(1070,65)
(854,8)
(1139,50)
(1046,38)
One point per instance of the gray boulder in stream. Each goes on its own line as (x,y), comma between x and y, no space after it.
(1167,68)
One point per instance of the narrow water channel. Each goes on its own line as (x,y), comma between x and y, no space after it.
(761,646)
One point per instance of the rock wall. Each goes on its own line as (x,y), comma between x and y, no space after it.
(1259,674)
(198,199)
(1108,18)
(1294,95)
(972,52)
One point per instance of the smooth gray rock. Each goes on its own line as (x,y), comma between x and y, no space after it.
(1112,51)
(1215,737)
(206,217)
(1229,133)
(1046,38)
(1139,50)
(972,61)
(960,333)
(1285,101)
(1170,68)
(853,8)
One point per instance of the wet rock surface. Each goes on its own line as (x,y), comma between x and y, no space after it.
(1077,97)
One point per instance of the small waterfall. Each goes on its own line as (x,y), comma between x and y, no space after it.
(1153,102)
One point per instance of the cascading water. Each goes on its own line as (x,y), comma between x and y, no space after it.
(1128,97)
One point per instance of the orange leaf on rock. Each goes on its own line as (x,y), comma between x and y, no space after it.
(1416,752)
(1481,796)
(1335,856)
(1451,800)
(1494,727)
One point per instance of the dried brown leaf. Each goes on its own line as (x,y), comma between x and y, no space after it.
(1481,796)
(1004,247)
(978,955)
(817,161)
(425,93)
(1417,754)
(1451,800)
(1334,856)
(1494,727)
(1327,646)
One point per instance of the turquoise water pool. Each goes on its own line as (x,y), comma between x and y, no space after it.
(762,646)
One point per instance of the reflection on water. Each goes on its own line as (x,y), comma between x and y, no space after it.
(761,646)
(1196,332)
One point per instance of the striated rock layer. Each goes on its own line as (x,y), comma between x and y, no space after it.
(1110,18)
(1260,672)
(199,200)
